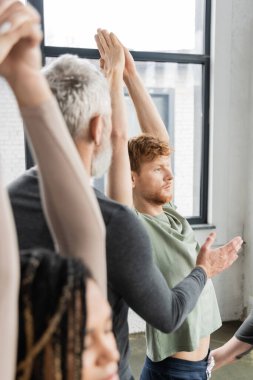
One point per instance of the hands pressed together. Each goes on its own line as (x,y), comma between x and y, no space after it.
(19,33)
(114,56)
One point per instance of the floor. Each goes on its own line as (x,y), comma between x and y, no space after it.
(240,370)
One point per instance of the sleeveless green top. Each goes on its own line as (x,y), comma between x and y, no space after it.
(174,251)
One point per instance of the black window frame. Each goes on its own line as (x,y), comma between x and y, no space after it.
(183,58)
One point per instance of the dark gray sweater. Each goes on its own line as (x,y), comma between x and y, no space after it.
(133,278)
(245,331)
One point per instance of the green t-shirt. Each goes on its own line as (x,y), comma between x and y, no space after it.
(175,250)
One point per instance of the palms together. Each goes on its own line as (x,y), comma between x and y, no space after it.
(111,52)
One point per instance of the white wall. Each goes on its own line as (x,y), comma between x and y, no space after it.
(231,99)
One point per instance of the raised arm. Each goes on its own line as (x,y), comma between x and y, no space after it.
(9,288)
(147,113)
(14,24)
(71,207)
(112,63)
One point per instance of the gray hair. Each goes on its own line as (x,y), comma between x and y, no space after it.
(81,91)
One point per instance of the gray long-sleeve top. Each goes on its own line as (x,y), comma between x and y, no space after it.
(245,331)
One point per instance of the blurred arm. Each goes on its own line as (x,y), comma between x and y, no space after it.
(70,204)
(147,113)
(9,289)
(112,64)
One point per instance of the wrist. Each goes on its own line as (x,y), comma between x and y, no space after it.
(203,268)
(130,76)
(114,73)
(30,87)
(115,82)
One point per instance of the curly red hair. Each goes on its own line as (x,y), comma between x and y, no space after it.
(146,148)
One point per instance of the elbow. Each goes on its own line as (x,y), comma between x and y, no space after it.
(119,137)
(175,318)
(168,327)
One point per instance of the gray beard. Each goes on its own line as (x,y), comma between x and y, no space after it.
(101,162)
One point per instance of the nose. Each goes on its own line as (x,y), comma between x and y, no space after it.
(108,350)
(169,174)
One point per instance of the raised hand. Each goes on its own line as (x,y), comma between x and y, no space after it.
(216,260)
(130,68)
(19,33)
(111,52)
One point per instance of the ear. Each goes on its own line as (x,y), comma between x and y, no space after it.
(96,128)
(133,177)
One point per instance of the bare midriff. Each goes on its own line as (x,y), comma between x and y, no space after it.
(199,354)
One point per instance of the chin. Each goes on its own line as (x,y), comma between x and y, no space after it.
(169,198)
(166,198)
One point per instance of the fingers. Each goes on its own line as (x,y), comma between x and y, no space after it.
(111,53)
(105,36)
(31,31)
(15,15)
(6,4)
(209,241)
(99,45)
(115,41)
(217,260)
(104,39)
(233,245)
(28,30)
(17,21)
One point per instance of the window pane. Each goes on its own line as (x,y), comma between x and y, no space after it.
(171,25)
(12,137)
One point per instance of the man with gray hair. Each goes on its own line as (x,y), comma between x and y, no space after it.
(83,96)
(133,278)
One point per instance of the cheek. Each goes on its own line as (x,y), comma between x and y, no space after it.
(155,179)
(112,343)
(89,364)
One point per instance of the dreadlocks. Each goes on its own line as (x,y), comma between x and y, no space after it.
(52,317)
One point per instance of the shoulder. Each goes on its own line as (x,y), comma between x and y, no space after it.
(112,210)
(25,186)
(122,224)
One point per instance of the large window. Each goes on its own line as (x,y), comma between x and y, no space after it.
(170,42)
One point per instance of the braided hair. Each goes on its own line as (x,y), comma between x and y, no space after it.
(52,316)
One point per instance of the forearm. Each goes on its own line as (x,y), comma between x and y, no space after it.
(9,289)
(185,296)
(31,91)
(166,309)
(147,113)
(229,352)
(119,175)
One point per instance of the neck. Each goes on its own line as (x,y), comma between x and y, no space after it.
(147,207)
